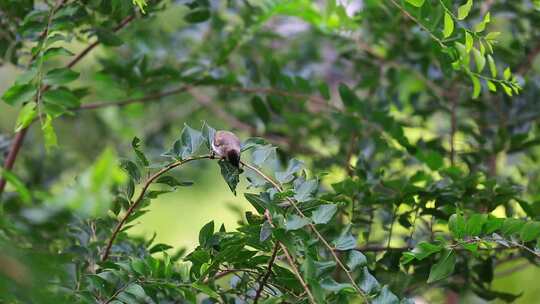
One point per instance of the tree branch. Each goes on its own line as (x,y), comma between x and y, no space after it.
(125,102)
(268,272)
(297,273)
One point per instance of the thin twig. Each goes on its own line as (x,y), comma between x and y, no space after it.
(135,203)
(125,102)
(268,272)
(297,273)
(404,11)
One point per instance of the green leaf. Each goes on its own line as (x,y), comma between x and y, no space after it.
(19,93)
(356,259)
(295,222)
(62,97)
(136,290)
(530,231)
(479,59)
(256,201)
(512,226)
(206,233)
(431,158)
(468,42)
(304,190)
(493,224)
(26,116)
(492,66)
(108,37)
(474,224)
(346,240)
(263,154)
(417,3)
(456,224)
(421,251)
(49,135)
(230,173)
(266,231)
(160,247)
(197,15)
(323,214)
(507,74)
(18,184)
(208,133)
(368,283)
(443,268)
(260,108)
(481,26)
(132,169)
(385,296)
(188,145)
(463,10)
(206,289)
(477,88)
(60,76)
(348,97)
(288,175)
(135,144)
(55,52)
(331,285)
(448,25)
(172,181)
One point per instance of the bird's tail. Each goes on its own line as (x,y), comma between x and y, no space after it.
(234,158)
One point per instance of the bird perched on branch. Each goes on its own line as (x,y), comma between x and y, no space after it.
(227,145)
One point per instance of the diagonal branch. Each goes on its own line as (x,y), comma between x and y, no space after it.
(137,201)
(268,272)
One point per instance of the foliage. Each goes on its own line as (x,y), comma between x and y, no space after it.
(414,124)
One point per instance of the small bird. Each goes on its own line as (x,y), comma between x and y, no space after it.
(227,145)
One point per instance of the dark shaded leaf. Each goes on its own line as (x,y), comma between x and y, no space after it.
(230,173)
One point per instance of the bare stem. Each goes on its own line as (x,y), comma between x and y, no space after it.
(135,203)
(297,273)
(268,272)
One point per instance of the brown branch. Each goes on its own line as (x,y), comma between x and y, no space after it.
(268,272)
(297,273)
(135,203)
(125,102)
(89,48)
(207,102)
(19,137)
(422,26)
